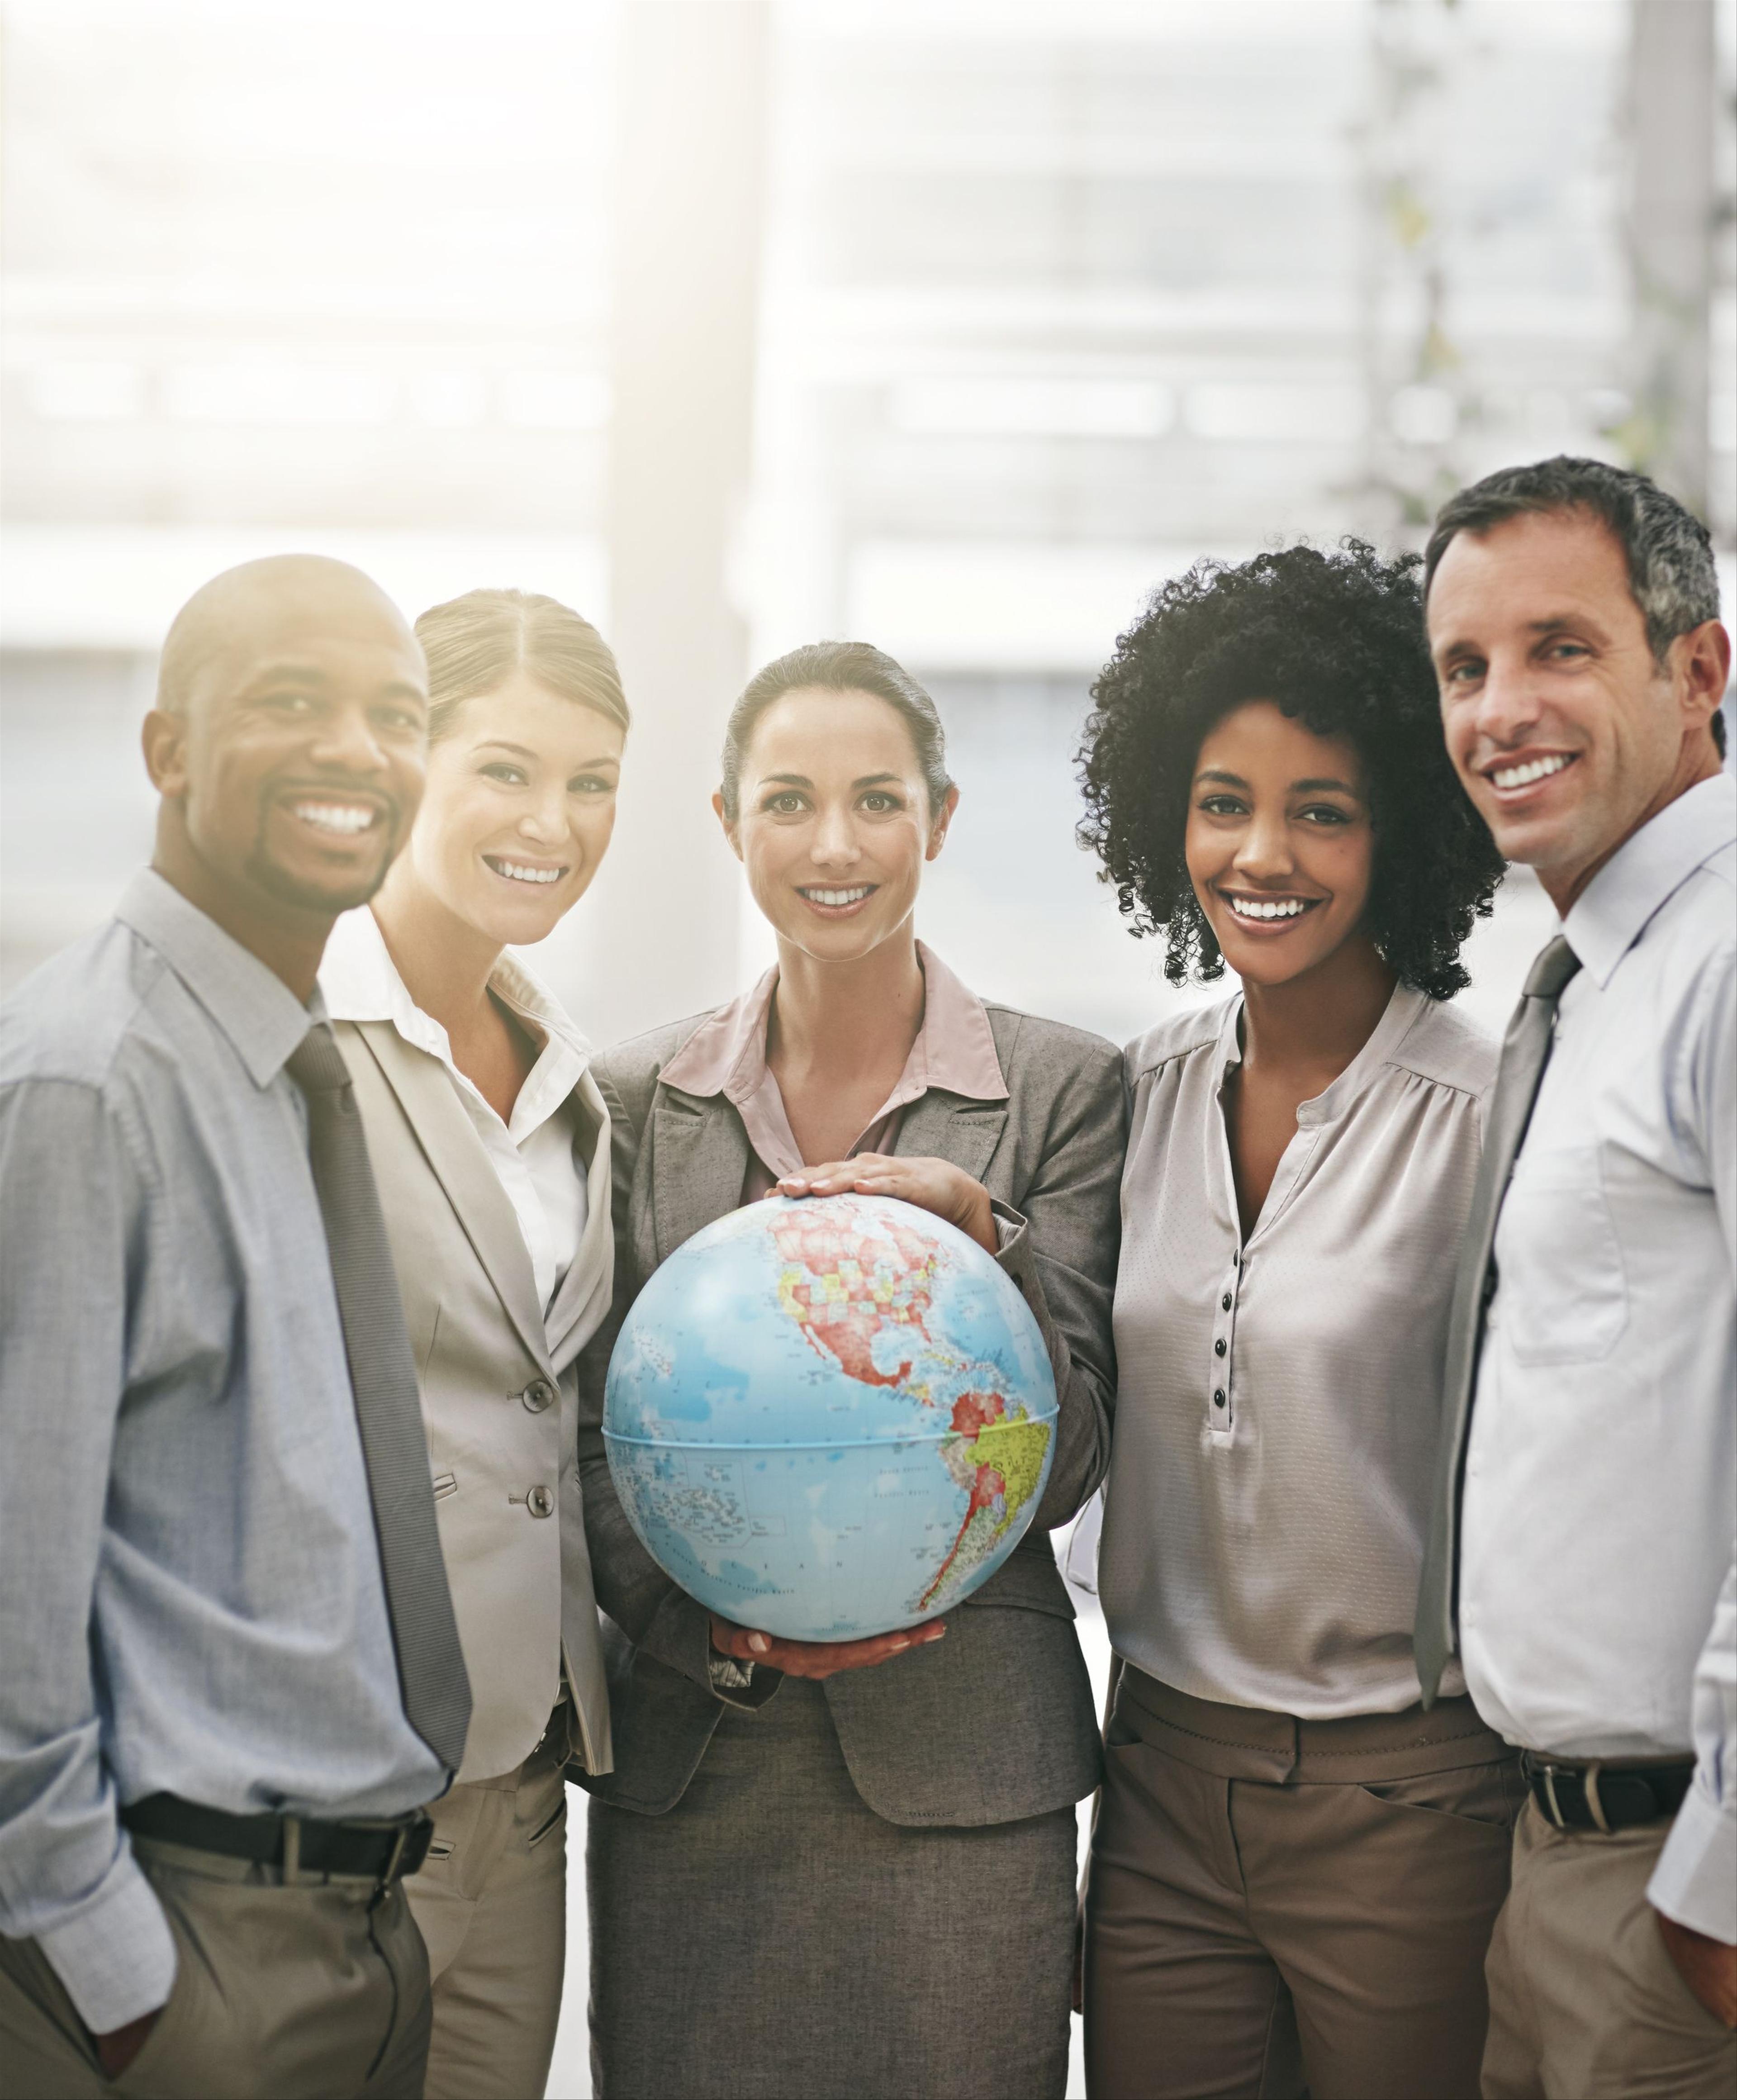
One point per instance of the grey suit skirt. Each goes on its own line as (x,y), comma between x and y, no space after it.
(771,1938)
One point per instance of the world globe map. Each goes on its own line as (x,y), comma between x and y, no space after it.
(830,1417)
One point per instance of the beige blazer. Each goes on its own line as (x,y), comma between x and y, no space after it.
(499,1397)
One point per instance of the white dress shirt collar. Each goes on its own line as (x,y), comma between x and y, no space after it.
(361,982)
(1606,919)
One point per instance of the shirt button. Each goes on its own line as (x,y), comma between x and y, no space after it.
(538,1394)
(540,1502)
(1218,1397)
(1225,1302)
(1217,1348)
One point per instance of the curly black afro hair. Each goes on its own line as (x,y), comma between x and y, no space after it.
(1336,640)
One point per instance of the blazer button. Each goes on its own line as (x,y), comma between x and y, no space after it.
(538,1394)
(541,1502)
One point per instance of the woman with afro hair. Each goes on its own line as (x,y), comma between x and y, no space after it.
(1295,1868)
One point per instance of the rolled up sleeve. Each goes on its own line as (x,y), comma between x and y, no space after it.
(69,1195)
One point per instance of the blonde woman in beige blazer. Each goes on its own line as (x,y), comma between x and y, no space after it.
(490,1144)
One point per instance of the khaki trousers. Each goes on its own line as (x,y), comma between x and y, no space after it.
(1585,2004)
(492,1903)
(314,1990)
(1275,1905)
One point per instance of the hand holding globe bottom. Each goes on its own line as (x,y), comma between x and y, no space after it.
(832,1418)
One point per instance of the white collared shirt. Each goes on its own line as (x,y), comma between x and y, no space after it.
(533,1153)
(1601,1472)
(1279,1399)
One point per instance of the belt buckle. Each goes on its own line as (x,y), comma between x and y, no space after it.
(1595,1806)
(1547,1773)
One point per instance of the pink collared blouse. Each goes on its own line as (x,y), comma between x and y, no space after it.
(726,1054)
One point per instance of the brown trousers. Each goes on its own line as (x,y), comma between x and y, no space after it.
(491,1902)
(1276,1905)
(317,1990)
(1585,2004)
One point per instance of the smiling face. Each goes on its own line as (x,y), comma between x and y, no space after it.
(291,762)
(519,811)
(1280,847)
(1566,731)
(835,824)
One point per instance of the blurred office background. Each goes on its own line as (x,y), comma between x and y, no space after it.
(953,325)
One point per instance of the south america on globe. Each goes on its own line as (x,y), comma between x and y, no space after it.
(830,1417)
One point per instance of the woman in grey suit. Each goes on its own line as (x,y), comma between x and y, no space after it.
(489,1143)
(849,1868)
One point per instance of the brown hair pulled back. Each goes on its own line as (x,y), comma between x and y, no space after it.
(474,645)
(838,667)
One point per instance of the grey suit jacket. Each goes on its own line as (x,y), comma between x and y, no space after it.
(994,1722)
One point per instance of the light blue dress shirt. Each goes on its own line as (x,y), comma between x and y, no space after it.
(190,1591)
(1597,1600)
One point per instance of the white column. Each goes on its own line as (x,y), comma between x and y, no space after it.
(663,933)
(1672,86)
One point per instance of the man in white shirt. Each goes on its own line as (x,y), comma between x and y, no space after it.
(1587,1495)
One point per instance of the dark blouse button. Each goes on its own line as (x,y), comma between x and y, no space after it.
(1218,1398)
(1218,1349)
(1224,1302)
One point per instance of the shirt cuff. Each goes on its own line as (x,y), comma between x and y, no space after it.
(114,1954)
(727,1674)
(1695,1879)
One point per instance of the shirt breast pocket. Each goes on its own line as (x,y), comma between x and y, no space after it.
(1564,1294)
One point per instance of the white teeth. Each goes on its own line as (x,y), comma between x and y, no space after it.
(517,871)
(1285,907)
(1522,776)
(838,896)
(344,817)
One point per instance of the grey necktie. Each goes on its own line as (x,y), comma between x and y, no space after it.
(431,1676)
(1525,1052)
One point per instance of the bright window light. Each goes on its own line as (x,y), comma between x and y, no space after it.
(249,392)
(555,400)
(1246,414)
(86,392)
(979,406)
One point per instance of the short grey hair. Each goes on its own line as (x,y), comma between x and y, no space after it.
(1667,549)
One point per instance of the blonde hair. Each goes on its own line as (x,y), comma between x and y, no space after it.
(474,643)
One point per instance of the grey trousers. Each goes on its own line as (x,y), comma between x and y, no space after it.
(318,1991)
(771,1938)
(491,1902)
(1274,1905)
(1585,2004)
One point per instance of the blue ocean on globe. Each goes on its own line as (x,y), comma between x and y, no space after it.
(830,1417)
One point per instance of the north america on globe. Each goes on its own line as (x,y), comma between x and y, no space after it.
(830,1417)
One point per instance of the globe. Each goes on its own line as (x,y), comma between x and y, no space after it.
(830,1417)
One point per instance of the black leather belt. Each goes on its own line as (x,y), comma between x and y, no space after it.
(1588,1794)
(381,1849)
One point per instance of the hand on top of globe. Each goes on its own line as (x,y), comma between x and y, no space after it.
(800,1658)
(935,1186)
